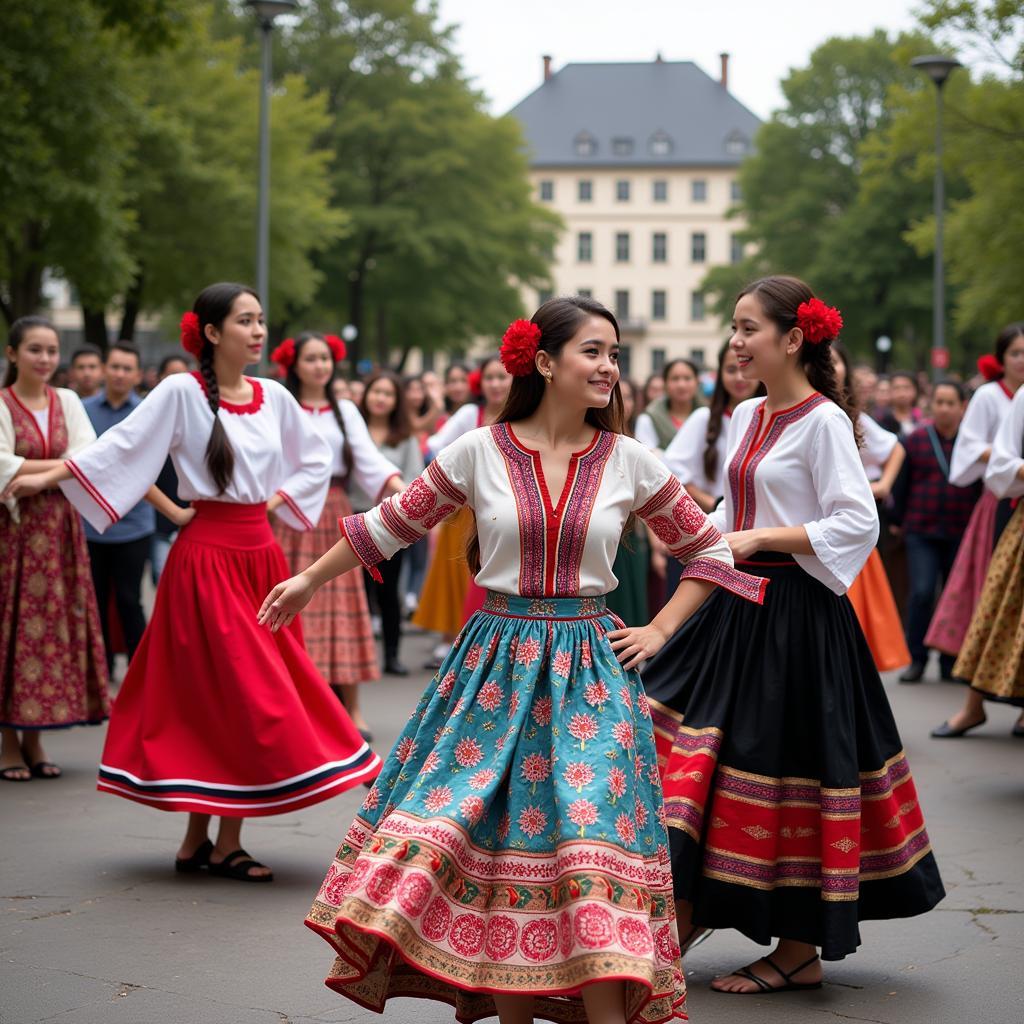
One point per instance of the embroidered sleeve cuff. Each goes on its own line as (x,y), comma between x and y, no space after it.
(742,584)
(353,529)
(295,510)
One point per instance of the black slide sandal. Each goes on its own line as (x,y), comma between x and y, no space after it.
(199,860)
(232,867)
(766,988)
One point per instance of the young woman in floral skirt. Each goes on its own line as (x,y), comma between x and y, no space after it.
(511,858)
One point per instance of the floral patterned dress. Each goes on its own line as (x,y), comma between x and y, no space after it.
(514,841)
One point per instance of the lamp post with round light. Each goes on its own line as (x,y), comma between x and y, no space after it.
(266,11)
(938,69)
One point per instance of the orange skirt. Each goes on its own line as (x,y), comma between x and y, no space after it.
(444,590)
(879,618)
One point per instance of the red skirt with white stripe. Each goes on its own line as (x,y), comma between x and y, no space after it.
(218,715)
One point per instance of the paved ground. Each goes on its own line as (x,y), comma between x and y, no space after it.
(97,929)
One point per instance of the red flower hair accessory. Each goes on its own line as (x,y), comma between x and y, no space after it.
(519,347)
(337,347)
(191,339)
(818,321)
(475,381)
(990,368)
(284,354)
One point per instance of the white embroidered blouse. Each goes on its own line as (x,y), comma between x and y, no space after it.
(1007,453)
(685,454)
(277,451)
(800,467)
(465,418)
(535,544)
(988,408)
(370,469)
(877,447)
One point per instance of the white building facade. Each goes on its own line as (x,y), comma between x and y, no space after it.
(641,161)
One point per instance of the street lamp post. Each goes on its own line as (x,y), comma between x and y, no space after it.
(266,11)
(938,69)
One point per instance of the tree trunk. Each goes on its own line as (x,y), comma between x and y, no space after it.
(355,316)
(402,359)
(383,348)
(132,302)
(25,284)
(94,324)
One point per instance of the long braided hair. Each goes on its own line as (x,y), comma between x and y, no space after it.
(212,308)
(294,385)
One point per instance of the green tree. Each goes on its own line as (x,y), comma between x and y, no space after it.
(806,208)
(443,230)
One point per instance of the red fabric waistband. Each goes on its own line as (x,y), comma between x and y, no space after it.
(229,525)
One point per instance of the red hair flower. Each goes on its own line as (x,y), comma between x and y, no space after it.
(989,367)
(191,339)
(818,321)
(337,347)
(284,354)
(475,381)
(519,347)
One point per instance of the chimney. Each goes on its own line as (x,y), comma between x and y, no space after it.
(724,80)
(547,66)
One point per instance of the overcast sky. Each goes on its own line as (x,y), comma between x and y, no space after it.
(501,42)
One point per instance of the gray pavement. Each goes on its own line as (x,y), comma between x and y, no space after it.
(97,928)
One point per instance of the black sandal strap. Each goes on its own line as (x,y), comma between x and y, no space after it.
(796,970)
(746,972)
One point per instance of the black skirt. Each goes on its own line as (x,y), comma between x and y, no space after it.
(790,805)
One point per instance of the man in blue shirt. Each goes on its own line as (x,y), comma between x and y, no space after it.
(119,555)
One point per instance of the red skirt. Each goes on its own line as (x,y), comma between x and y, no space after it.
(336,623)
(218,715)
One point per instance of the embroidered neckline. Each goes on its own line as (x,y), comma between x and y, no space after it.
(316,409)
(238,408)
(51,400)
(1006,390)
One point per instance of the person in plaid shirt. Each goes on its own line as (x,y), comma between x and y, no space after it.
(932,514)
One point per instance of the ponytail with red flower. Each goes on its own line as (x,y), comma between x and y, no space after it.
(990,368)
(191,338)
(818,322)
(337,347)
(519,347)
(284,354)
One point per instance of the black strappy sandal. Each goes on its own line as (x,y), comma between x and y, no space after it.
(199,860)
(45,770)
(232,867)
(766,988)
(694,937)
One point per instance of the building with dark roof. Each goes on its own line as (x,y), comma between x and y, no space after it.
(640,160)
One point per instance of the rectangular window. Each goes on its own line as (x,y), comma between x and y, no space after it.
(696,306)
(736,191)
(697,357)
(543,294)
(622,247)
(659,358)
(625,358)
(622,304)
(547,191)
(622,190)
(659,247)
(622,146)
(585,293)
(659,191)
(584,247)
(699,190)
(584,190)
(735,249)
(659,305)
(698,247)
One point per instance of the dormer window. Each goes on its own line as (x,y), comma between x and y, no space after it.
(736,144)
(661,144)
(622,146)
(585,144)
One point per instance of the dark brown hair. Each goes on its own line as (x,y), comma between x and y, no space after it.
(16,335)
(780,297)
(558,319)
(212,307)
(720,399)
(294,385)
(399,424)
(1006,337)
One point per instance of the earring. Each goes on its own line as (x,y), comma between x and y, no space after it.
(547,377)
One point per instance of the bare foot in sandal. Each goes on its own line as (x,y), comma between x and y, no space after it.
(792,966)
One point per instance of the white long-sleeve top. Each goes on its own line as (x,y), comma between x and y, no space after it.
(277,451)
(985,412)
(878,446)
(79,430)
(370,469)
(800,467)
(465,418)
(685,454)
(536,544)
(1007,453)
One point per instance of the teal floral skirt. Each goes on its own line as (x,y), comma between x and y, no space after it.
(514,841)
